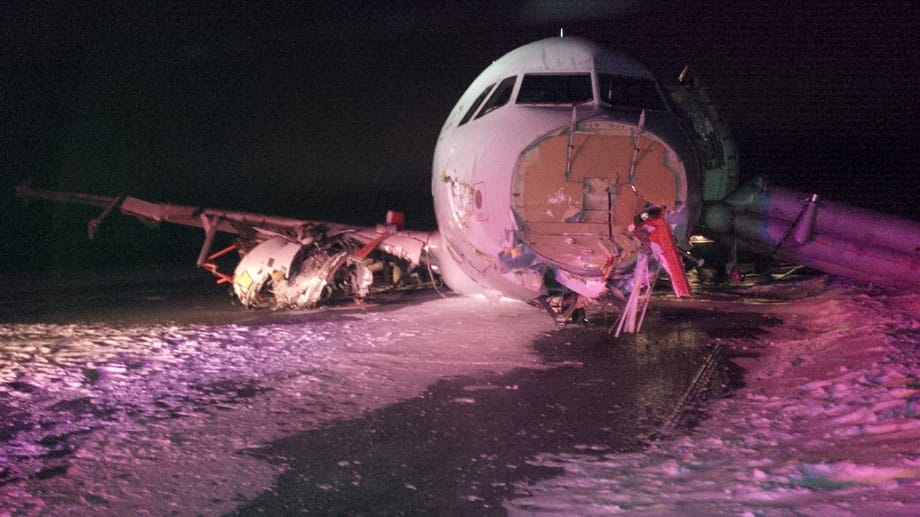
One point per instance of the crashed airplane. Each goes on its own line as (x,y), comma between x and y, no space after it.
(564,166)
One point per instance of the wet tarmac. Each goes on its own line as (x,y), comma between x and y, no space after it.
(461,446)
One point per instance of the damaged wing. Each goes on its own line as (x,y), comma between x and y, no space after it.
(284,262)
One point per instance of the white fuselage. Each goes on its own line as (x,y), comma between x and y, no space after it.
(516,186)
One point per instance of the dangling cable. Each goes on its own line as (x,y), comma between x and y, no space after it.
(434,283)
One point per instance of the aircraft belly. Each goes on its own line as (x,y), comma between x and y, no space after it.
(469,270)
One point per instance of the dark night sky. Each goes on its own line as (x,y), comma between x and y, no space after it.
(332,112)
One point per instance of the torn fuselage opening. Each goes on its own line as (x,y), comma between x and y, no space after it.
(575,204)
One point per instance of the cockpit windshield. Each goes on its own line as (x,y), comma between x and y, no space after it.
(475,106)
(555,89)
(629,92)
(499,97)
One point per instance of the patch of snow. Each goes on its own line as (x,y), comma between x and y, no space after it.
(134,420)
(828,423)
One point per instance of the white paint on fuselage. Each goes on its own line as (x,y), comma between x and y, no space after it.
(474,163)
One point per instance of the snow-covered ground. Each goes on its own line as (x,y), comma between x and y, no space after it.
(154,418)
(133,420)
(827,424)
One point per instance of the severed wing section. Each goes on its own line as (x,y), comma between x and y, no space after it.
(284,262)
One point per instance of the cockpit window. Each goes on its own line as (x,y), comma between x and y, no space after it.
(555,89)
(499,97)
(470,112)
(629,92)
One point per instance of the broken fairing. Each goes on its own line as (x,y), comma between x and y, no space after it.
(281,274)
(316,280)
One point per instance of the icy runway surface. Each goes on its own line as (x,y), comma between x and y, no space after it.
(169,401)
